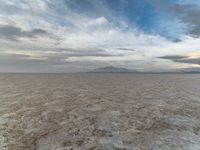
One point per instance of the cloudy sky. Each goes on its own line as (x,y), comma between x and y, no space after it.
(80,35)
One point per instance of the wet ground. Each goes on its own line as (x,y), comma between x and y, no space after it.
(99,112)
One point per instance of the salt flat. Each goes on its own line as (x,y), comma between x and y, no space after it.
(99,112)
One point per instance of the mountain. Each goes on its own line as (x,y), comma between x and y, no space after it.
(111,69)
(191,70)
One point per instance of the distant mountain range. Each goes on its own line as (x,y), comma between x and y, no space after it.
(112,69)
(191,70)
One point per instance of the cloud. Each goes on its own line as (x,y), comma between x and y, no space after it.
(97,22)
(9,9)
(191,58)
(173,57)
(54,56)
(14,33)
(189,15)
(125,49)
(80,34)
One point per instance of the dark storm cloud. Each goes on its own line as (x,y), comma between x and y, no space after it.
(10,32)
(182,59)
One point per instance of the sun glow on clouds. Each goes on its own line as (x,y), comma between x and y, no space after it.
(193,55)
(55,33)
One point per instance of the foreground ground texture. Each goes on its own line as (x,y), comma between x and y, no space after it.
(99,112)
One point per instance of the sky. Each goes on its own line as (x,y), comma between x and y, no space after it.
(81,35)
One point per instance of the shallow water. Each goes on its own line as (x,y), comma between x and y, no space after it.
(99,112)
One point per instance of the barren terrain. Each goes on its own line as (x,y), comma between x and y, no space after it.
(99,112)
